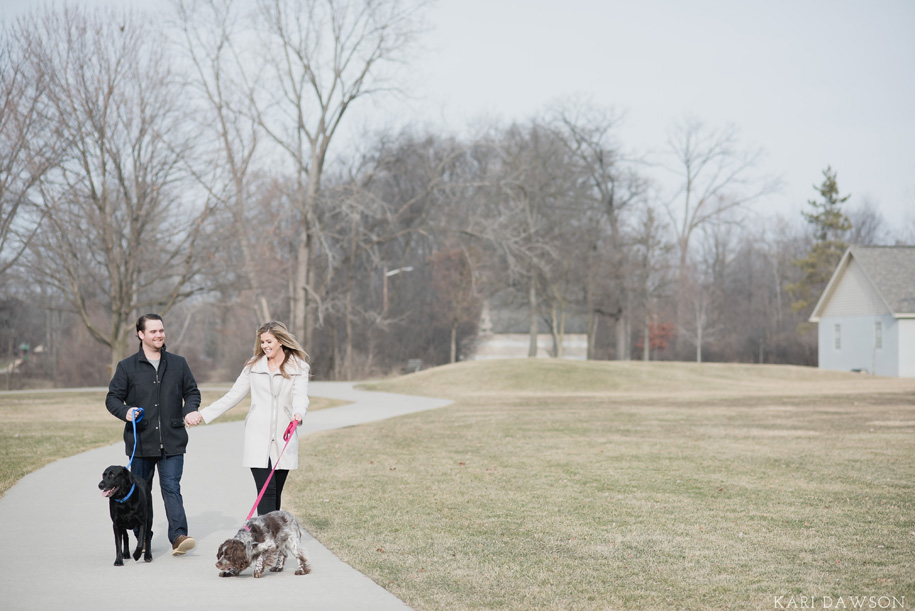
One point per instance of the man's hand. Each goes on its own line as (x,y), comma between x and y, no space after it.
(193,419)
(133,413)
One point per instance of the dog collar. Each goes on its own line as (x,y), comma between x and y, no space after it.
(128,495)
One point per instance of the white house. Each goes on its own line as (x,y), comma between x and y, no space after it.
(866,315)
(516,345)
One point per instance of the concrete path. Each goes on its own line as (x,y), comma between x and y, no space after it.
(57,547)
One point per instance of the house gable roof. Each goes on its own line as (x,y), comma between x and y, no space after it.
(883,276)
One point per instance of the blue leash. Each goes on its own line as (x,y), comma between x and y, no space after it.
(132,454)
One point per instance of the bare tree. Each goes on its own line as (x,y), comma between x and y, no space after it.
(377,220)
(323,56)
(906,233)
(696,326)
(867,225)
(123,234)
(708,288)
(455,297)
(715,176)
(651,271)
(25,152)
(613,188)
(523,218)
(210,31)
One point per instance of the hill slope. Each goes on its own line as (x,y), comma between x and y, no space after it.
(548,376)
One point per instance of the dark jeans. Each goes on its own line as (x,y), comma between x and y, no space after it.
(170,470)
(274,493)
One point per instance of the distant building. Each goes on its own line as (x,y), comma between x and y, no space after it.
(502,336)
(866,315)
(516,346)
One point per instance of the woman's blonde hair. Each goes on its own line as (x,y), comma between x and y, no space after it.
(286,339)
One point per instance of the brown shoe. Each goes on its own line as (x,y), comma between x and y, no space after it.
(182,545)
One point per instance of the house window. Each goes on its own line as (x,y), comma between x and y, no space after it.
(878,335)
(838,337)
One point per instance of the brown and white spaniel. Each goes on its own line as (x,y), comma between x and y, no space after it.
(265,543)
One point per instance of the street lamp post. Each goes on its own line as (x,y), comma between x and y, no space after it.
(384,286)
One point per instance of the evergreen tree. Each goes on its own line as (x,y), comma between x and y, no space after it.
(830,226)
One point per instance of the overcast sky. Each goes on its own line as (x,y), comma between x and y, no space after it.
(812,82)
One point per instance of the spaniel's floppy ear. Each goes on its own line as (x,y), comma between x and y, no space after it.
(237,555)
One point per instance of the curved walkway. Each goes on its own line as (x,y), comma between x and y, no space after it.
(58,546)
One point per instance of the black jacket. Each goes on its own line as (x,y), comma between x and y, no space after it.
(166,396)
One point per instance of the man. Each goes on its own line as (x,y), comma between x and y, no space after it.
(162,385)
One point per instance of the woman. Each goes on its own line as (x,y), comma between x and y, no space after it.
(277,378)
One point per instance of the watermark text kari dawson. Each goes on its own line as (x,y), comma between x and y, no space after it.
(839,602)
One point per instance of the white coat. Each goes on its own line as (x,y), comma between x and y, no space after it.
(275,400)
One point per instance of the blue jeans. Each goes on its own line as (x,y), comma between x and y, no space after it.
(170,470)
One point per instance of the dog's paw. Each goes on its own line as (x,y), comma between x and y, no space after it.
(227,573)
(147,557)
(303,571)
(118,562)
(276,569)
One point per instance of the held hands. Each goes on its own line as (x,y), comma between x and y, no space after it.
(193,419)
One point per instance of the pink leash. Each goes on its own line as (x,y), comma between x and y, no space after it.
(287,436)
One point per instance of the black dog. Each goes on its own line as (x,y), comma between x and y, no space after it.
(130,506)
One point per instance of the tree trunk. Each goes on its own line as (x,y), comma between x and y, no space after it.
(119,346)
(593,325)
(680,313)
(699,344)
(557,331)
(299,291)
(333,363)
(348,347)
(243,236)
(532,318)
(622,339)
(263,310)
(646,344)
(310,308)
(589,300)
(318,144)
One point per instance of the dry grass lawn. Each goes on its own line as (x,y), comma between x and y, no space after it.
(561,485)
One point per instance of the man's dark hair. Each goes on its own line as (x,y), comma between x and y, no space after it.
(141,322)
